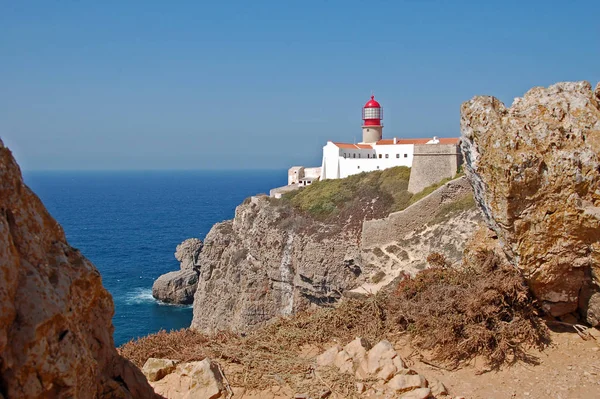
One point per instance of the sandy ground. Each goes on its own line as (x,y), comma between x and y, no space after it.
(569,368)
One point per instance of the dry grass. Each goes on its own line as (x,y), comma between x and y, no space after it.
(273,352)
(472,311)
(457,314)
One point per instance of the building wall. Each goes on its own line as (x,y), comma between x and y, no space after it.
(432,163)
(313,173)
(295,173)
(343,162)
(397,225)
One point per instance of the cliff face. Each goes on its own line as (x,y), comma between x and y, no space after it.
(55,316)
(535,170)
(268,262)
(271,261)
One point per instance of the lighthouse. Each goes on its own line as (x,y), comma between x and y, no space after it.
(372,128)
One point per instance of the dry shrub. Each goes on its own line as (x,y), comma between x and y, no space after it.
(483,310)
(273,352)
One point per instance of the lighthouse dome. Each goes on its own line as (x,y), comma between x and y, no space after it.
(372,103)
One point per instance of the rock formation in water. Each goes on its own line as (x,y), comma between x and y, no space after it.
(55,316)
(272,261)
(180,286)
(535,170)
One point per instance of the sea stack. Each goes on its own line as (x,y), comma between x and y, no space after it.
(179,287)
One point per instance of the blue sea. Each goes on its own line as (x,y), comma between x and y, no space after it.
(129,223)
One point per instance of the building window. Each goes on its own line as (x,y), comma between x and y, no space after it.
(397,155)
(387,155)
(405,155)
(379,157)
(377,166)
(359,155)
(344,155)
(358,167)
(353,155)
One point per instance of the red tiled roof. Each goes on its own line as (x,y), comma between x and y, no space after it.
(443,140)
(353,146)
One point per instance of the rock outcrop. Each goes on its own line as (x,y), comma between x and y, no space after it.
(180,286)
(379,371)
(55,316)
(272,261)
(535,170)
(199,379)
(269,262)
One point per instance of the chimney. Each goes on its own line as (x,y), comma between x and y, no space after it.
(395,140)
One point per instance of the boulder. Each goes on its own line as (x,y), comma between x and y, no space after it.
(176,287)
(535,171)
(199,379)
(382,364)
(179,287)
(55,315)
(155,369)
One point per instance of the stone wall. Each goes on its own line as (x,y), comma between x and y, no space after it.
(398,224)
(431,164)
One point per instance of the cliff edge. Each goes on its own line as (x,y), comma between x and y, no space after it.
(55,316)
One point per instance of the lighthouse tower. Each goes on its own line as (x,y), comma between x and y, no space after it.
(372,115)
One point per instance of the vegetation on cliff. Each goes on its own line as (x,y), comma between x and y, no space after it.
(368,194)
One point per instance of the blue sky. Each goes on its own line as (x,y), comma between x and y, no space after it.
(264,84)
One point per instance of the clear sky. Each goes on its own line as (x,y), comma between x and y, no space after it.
(264,84)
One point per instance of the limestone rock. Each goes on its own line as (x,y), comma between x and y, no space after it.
(328,357)
(187,253)
(403,383)
(199,379)
(419,393)
(269,262)
(535,171)
(381,364)
(55,315)
(176,287)
(437,387)
(180,286)
(155,369)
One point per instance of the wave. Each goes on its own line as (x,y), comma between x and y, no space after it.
(143,296)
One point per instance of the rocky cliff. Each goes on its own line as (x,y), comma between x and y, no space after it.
(535,170)
(55,316)
(269,261)
(180,286)
(272,260)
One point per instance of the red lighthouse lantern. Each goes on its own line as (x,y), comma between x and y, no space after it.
(372,113)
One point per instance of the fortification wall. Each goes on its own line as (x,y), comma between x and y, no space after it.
(431,164)
(397,225)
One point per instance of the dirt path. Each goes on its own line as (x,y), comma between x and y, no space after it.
(568,369)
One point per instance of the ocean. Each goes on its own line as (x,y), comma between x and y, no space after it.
(129,223)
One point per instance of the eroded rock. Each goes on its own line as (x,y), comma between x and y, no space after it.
(379,371)
(180,286)
(199,379)
(55,315)
(535,170)
(155,369)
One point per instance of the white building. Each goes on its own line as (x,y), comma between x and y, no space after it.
(373,152)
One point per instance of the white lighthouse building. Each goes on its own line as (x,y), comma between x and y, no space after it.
(373,152)
(438,158)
